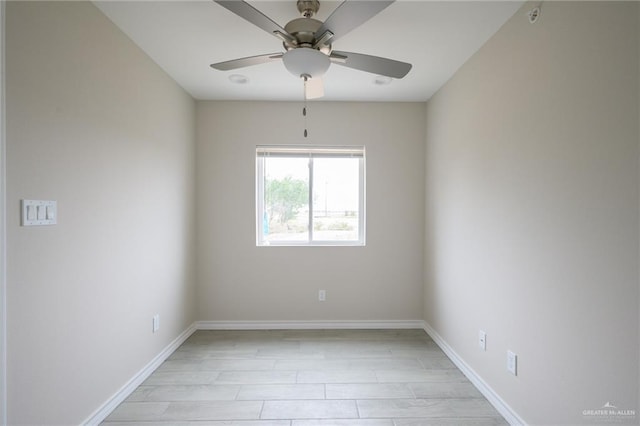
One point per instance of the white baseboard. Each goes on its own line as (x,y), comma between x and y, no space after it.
(101,413)
(309,325)
(498,403)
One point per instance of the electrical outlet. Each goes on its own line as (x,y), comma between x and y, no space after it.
(156,323)
(482,340)
(322,295)
(512,363)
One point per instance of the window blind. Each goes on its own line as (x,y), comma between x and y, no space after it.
(306,151)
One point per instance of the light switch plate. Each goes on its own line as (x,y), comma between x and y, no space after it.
(39,212)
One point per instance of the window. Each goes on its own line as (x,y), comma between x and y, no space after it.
(310,195)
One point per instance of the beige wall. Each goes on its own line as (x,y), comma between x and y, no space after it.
(533,210)
(239,281)
(95,125)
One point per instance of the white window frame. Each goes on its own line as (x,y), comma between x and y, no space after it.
(311,152)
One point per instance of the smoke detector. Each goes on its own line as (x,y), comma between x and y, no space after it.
(534,14)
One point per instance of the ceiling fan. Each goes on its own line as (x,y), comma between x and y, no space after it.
(308,41)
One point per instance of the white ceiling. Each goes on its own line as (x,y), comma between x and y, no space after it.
(183,37)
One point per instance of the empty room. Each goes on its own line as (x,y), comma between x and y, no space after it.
(303,213)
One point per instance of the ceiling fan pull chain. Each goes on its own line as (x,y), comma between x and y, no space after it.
(304,113)
(304,108)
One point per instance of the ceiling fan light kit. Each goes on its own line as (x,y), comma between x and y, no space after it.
(308,42)
(307,62)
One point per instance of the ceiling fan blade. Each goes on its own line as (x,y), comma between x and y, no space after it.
(257,18)
(246,62)
(372,64)
(351,14)
(314,88)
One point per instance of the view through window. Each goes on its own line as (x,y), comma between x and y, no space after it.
(310,195)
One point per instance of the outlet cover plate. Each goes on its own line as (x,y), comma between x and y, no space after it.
(156,322)
(482,340)
(512,363)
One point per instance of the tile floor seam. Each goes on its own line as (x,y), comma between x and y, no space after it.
(412,392)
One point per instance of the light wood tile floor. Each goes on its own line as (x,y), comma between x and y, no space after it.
(307,378)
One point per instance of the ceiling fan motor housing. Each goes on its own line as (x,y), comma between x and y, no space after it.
(304,30)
